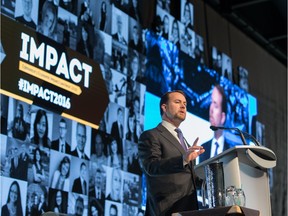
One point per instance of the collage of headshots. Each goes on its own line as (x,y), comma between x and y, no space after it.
(50,163)
(175,59)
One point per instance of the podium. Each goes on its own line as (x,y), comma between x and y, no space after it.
(220,211)
(246,167)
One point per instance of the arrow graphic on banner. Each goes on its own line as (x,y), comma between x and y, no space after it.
(2,53)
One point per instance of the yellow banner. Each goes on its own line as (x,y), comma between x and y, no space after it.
(80,120)
(41,74)
(7,93)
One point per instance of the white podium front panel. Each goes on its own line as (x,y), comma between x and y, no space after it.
(246,167)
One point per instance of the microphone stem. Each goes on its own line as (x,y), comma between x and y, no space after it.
(242,136)
(254,140)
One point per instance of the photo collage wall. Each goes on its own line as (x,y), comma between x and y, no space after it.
(52,163)
(175,59)
(55,163)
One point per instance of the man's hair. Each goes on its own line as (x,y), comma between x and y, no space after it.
(82,164)
(165,98)
(119,110)
(224,99)
(115,207)
(63,120)
(80,199)
(81,125)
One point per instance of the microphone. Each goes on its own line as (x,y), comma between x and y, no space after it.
(255,141)
(215,128)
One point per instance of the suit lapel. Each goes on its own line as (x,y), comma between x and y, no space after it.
(170,138)
(173,141)
(226,145)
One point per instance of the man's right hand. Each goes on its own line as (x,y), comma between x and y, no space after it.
(194,151)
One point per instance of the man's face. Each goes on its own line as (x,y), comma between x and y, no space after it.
(135,66)
(23,148)
(120,116)
(113,212)
(134,2)
(98,178)
(131,123)
(175,109)
(84,34)
(119,25)
(114,147)
(94,211)
(166,25)
(36,199)
(42,198)
(219,60)
(216,116)
(98,145)
(136,106)
(58,198)
(81,138)
(83,171)
(79,207)
(135,34)
(129,149)
(19,112)
(62,130)
(27,7)
(15,151)
(38,156)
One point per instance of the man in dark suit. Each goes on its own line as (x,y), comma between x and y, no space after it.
(60,144)
(19,163)
(217,117)
(26,18)
(136,42)
(86,14)
(119,54)
(167,160)
(80,184)
(23,162)
(79,206)
(15,171)
(97,191)
(81,138)
(117,130)
(134,10)
(118,35)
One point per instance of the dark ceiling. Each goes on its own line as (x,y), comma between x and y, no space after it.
(265,21)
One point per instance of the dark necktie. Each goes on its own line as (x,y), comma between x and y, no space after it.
(86,49)
(16,162)
(181,138)
(84,187)
(121,131)
(62,148)
(216,149)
